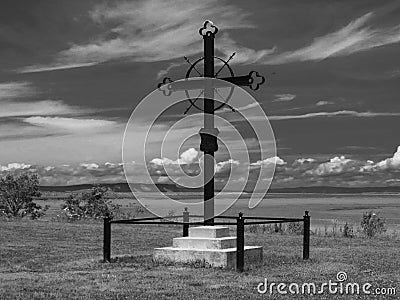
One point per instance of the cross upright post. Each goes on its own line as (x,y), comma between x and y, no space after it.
(208,133)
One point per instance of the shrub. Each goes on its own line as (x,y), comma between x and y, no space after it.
(17,194)
(89,204)
(139,209)
(372,224)
(348,230)
(295,228)
(254,228)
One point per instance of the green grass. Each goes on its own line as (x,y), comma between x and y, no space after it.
(55,260)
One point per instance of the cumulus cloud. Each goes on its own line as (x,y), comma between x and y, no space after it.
(337,171)
(271,160)
(91,166)
(187,157)
(304,160)
(393,161)
(389,163)
(335,165)
(225,166)
(70,174)
(14,166)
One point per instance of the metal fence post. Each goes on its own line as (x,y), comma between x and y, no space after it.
(240,243)
(306,236)
(185,222)
(107,240)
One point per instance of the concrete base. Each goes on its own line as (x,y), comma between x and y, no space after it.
(204,243)
(210,245)
(224,258)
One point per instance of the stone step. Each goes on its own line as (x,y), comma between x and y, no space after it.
(225,258)
(204,243)
(209,232)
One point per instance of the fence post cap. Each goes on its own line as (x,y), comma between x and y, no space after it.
(186,209)
(306,213)
(240,215)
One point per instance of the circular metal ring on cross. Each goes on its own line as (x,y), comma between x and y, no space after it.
(193,67)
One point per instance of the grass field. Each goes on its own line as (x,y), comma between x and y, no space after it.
(45,259)
(54,260)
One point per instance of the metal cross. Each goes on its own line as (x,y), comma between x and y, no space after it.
(208,133)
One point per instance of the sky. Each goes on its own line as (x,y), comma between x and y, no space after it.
(72,72)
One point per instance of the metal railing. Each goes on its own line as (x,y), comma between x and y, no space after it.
(240,225)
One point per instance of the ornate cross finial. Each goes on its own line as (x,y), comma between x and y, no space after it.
(256,80)
(163,86)
(208,29)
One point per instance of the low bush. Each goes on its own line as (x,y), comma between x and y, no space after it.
(348,230)
(89,204)
(372,224)
(295,228)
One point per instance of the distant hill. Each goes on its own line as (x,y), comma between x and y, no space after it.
(141,187)
(337,190)
(122,188)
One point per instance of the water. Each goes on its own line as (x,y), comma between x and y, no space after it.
(324,209)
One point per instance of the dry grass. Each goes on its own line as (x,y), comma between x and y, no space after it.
(55,260)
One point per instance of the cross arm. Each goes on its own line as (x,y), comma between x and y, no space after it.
(253,80)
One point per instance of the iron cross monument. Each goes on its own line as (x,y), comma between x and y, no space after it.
(208,133)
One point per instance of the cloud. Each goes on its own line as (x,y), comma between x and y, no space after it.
(249,106)
(284,97)
(395,160)
(14,166)
(343,171)
(15,89)
(336,171)
(225,166)
(334,114)
(386,164)
(187,157)
(91,166)
(243,55)
(304,160)
(271,160)
(240,109)
(83,173)
(71,124)
(322,103)
(154,30)
(335,165)
(165,71)
(54,67)
(354,37)
(35,108)
(14,104)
